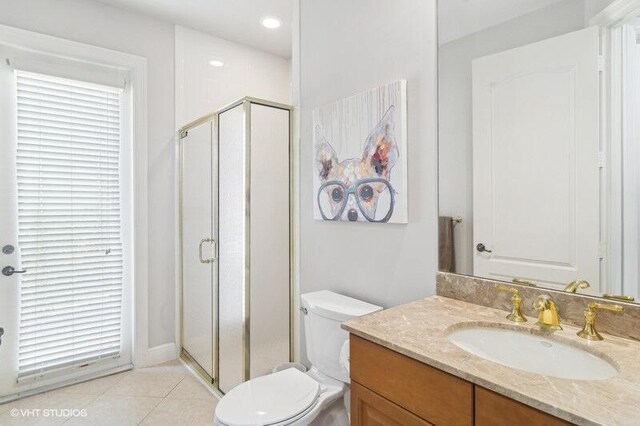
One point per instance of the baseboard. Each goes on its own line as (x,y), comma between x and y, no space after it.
(156,355)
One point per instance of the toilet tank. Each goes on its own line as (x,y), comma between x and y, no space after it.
(324,312)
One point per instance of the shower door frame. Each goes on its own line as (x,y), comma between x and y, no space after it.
(246,102)
(182,134)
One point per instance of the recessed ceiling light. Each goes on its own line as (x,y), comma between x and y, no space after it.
(271,22)
(216,63)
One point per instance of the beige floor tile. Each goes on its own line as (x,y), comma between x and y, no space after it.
(173,367)
(95,386)
(191,388)
(145,383)
(177,411)
(4,407)
(23,419)
(116,411)
(49,408)
(121,399)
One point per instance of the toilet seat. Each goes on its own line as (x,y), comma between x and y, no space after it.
(277,398)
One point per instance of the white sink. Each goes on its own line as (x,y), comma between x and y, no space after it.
(532,353)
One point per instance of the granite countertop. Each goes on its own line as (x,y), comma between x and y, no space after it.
(419,330)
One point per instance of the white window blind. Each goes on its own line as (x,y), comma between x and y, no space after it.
(69,222)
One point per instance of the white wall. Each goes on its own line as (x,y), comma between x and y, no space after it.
(347,47)
(455,113)
(101,25)
(202,89)
(593,7)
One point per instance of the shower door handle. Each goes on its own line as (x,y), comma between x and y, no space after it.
(214,249)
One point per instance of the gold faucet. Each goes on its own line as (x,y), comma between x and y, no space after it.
(589,331)
(548,318)
(573,286)
(524,282)
(516,301)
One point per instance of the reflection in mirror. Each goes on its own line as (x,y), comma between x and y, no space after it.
(539,133)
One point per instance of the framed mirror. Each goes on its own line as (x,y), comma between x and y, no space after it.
(539,143)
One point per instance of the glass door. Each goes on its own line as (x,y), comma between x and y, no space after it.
(64,299)
(198,248)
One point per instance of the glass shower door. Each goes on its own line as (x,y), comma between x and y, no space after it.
(198,247)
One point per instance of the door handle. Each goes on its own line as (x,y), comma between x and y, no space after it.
(214,250)
(7,271)
(1,334)
(481,248)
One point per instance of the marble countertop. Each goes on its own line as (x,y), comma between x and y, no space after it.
(419,330)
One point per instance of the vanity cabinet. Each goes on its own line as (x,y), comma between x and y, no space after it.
(369,408)
(430,394)
(493,409)
(388,388)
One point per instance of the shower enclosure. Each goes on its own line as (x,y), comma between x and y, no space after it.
(235,241)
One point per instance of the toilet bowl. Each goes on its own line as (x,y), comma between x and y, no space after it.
(291,397)
(288,397)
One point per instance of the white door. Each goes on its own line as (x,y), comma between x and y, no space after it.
(535,162)
(64,280)
(198,247)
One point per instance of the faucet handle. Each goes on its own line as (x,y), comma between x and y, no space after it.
(589,331)
(522,281)
(621,297)
(516,301)
(606,306)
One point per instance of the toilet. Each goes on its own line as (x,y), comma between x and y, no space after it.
(291,397)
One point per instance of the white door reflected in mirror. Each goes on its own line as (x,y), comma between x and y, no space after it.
(539,143)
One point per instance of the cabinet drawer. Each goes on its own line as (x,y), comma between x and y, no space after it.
(370,409)
(431,394)
(493,409)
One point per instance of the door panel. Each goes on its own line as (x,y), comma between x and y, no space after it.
(198,331)
(234,351)
(9,286)
(269,234)
(65,357)
(370,409)
(535,161)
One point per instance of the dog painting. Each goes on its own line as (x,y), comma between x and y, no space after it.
(359,161)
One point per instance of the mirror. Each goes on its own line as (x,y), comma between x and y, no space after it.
(539,143)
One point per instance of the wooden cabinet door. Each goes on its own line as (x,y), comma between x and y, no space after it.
(370,409)
(431,394)
(497,410)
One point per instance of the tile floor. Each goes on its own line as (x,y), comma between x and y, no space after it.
(165,394)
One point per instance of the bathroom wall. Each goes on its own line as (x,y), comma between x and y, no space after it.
(202,88)
(199,89)
(347,47)
(455,125)
(109,27)
(593,7)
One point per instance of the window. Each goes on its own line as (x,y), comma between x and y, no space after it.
(69,215)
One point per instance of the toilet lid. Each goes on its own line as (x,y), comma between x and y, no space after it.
(268,399)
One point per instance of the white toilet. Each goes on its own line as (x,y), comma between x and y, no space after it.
(290,397)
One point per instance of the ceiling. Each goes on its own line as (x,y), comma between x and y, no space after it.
(235,20)
(458,18)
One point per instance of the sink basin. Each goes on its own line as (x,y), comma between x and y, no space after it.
(533,353)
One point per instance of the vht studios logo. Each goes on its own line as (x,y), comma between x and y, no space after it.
(48,412)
